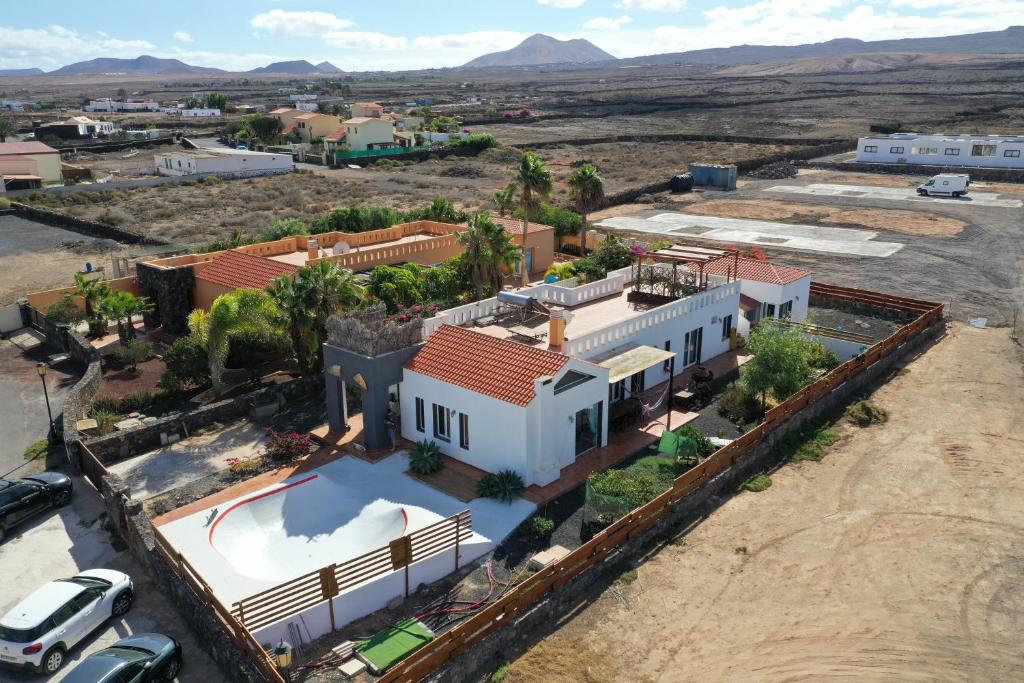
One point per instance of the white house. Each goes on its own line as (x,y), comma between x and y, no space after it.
(302,97)
(365,132)
(307,106)
(769,290)
(12,105)
(109,105)
(226,161)
(988,151)
(198,112)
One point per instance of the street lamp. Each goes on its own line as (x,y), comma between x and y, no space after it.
(41,370)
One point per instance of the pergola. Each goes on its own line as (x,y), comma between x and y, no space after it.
(652,284)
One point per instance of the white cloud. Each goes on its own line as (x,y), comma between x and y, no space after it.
(182,37)
(653,5)
(562,4)
(55,46)
(607,23)
(361,40)
(279,22)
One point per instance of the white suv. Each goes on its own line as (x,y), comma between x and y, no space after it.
(37,634)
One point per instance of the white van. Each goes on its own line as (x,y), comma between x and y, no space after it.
(945,185)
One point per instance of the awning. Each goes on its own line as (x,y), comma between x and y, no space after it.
(749,303)
(629,359)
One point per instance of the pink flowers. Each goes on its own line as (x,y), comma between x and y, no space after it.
(637,251)
(416,312)
(286,446)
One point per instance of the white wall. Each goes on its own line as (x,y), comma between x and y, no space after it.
(949,151)
(360,135)
(194,113)
(842,348)
(767,293)
(222,163)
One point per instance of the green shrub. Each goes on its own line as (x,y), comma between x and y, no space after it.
(105,419)
(538,529)
(757,483)
(286,227)
(501,673)
(865,414)
(822,358)
(629,576)
(506,486)
(187,365)
(5,203)
(636,486)
(64,310)
(738,404)
(704,445)
(425,458)
(134,351)
(136,401)
(109,404)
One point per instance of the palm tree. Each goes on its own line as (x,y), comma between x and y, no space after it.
(121,307)
(586,187)
(505,199)
(243,311)
(7,127)
(92,291)
(290,300)
(326,288)
(534,181)
(488,249)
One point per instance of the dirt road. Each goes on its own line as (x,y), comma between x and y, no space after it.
(898,557)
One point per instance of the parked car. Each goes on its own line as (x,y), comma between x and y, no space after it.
(945,185)
(38,633)
(26,497)
(141,658)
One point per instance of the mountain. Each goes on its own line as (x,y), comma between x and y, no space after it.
(328,68)
(542,49)
(21,72)
(860,63)
(1010,40)
(297,66)
(144,64)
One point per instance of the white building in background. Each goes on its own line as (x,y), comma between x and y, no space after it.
(303,97)
(984,151)
(110,105)
(307,106)
(198,113)
(12,105)
(225,161)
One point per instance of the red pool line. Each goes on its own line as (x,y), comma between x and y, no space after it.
(262,495)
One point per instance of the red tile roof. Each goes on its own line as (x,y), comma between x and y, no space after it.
(499,368)
(761,271)
(338,135)
(27,147)
(515,226)
(243,271)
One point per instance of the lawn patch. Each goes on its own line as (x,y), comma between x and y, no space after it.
(757,483)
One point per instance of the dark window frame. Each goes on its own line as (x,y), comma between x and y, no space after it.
(421,415)
(896,150)
(464,431)
(726,326)
(442,418)
(871,149)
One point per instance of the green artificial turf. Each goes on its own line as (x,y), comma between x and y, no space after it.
(394,643)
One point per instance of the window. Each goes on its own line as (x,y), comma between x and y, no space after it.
(636,383)
(616,391)
(1011,153)
(420,419)
(463,430)
(128,674)
(442,423)
(692,348)
(86,598)
(925,150)
(983,150)
(64,613)
(769,311)
(952,151)
(895,150)
(667,365)
(726,327)
(786,309)
(870,149)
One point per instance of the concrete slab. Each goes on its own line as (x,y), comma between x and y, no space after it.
(179,463)
(901,194)
(770,234)
(72,539)
(546,557)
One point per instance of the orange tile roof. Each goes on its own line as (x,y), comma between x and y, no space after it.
(289,128)
(499,368)
(337,136)
(243,271)
(761,271)
(515,226)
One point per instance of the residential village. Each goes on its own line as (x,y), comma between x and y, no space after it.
(453,403)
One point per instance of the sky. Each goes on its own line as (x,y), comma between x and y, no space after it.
(406,34)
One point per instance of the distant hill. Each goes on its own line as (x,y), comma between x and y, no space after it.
(328,68)
(144,64)
(21,72)
(297,66)
(542,49)
(859,63)
(1009,40)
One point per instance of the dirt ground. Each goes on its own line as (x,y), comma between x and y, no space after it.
(895,558)
(906,222)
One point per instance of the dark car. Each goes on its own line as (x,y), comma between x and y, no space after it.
(26,497)
(140,658)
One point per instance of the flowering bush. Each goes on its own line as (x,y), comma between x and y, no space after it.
(286,446)
(417,312)
(244,465)
(637,251)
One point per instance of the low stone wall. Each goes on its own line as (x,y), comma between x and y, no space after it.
(91,228)
(78,399)
(113,448)
(1007,175)
(515,637)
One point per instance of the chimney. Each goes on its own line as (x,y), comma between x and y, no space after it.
(312,250)
(557,322)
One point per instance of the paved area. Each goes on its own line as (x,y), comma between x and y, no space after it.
(896,558)
(779,235)
(62,543)
(23,418)
(198,456)
(896,194)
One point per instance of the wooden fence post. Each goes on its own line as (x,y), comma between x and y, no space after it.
(458,520)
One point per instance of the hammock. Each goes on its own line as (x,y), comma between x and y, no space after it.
(648,410)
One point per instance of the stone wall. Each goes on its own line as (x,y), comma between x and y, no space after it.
(78,399)
(170,290)
(91,228)
(1008,175)
(113,448)
(515,637)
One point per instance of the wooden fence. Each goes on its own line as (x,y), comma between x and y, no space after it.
(239,634)
(92,468)
(473,630)
(306,591)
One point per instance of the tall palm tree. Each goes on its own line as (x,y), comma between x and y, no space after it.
(488,249)
(505,199)
(290,300)
(243,311)
(586,187)
(326,288)
(121,307)
(534,181)
(92,291)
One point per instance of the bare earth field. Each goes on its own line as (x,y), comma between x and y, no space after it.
(895,558)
